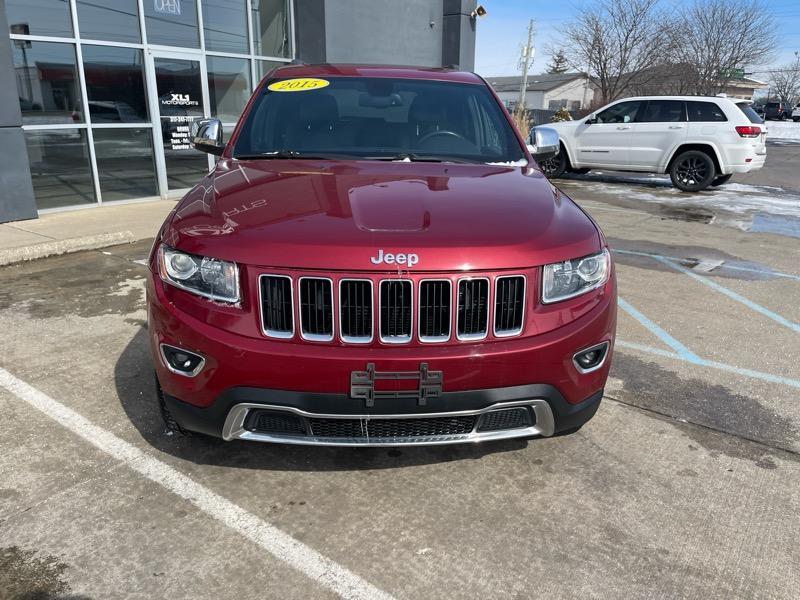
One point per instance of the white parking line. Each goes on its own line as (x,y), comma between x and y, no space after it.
(281,545)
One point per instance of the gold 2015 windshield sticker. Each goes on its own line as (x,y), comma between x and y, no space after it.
(301,84)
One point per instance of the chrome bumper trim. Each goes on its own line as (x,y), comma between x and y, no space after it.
(545,426)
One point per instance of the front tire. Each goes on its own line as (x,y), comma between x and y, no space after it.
(722,179)
(556,166)
(692,171)
(796,119)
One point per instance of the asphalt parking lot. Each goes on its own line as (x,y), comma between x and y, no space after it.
(685,484)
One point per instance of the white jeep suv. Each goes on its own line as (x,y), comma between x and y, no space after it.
(698,140)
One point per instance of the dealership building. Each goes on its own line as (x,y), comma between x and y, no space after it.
(97,96)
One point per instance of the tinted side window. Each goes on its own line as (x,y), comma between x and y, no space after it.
(705,111)
(662,111)
(750,113)
(624,112)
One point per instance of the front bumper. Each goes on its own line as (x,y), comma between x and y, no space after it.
(473,416)
(314,382)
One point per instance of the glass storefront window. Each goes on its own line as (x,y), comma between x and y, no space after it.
(265,66)
(113,20)
(60,170)
(47,82)
(125,162)
(39,17)
(225,26)
(271,33)
(180,102)
(228,87)
(115,84)
(171,23)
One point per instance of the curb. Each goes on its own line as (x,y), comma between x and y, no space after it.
(67,246)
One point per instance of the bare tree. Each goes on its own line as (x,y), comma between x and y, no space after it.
(785,81)
(617,42)
(715,39)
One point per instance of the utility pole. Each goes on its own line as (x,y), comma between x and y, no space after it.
(525,61)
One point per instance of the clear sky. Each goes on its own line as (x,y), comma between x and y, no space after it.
(502,32)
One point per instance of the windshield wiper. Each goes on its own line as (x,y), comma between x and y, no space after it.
(413,157)
(292,154)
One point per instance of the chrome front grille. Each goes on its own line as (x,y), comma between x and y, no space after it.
(509,301)
(355,310)
(434,310)
(400,310)
(277,306)
(316,309)
(473,309)
(396,311)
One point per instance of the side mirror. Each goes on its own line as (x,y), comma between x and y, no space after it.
(591,120)
(543,143)
(206,136)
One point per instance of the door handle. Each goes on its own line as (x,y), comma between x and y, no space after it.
(624,127)
(676,126)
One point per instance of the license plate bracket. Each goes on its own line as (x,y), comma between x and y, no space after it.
(362,385)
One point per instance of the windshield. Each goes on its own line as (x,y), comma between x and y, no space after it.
(381,119)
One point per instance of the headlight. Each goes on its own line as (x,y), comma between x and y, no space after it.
(208,277)
(575,277)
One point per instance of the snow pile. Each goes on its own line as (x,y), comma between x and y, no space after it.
(783,130)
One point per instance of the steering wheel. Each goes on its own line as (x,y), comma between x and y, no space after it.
(441,133)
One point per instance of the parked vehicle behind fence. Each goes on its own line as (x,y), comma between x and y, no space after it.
(777,111)
(698,141)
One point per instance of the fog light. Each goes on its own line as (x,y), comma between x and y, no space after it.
(182,362)
(590,359)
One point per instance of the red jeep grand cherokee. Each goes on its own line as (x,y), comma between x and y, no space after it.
(376,260)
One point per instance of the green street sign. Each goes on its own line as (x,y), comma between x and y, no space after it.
(732,73)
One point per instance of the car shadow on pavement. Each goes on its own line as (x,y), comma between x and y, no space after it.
(135,383)
(643,180)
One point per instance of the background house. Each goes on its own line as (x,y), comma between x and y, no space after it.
(549,91)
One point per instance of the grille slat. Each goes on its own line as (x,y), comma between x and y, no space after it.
(473,308)
(355,310)
(276,306)
(316,309)
(509,305)
(275,422)
(434,310)
(392,428)
(509,418)
(396,311)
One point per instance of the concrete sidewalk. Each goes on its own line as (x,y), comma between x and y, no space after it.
(71,231)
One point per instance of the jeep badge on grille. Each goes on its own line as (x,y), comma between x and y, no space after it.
(400,258)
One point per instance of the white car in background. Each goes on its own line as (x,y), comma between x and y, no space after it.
(796,113)
(698,140)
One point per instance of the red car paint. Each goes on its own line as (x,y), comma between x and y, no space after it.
(329,217)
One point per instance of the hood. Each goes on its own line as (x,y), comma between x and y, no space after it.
(335,215)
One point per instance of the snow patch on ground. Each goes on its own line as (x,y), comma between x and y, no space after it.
(740,198)
(783,130)
(135,285)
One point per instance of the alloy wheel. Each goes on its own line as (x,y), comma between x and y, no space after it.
(692,170)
